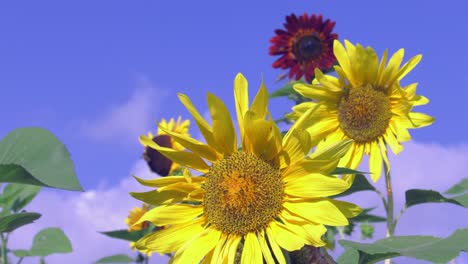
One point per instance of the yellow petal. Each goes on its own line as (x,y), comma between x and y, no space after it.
(265,249)
(301,123)
(230,249)
(285,237)
(194,250)
(260,102)
(241,97)
(314,186)
(310,232)
(400,131)
(408,66)
(343,60)
(375,162)
(205,129)
(251,253)
(333,151)
(257,133)
(381,69)
(392,68)
(349,210)
(275,247)
(297,146)
(392,142)
(308,166)
(193,145)
(172,214)
(182,157)
(223,128)
(318,92)
(216,256)
(168,180)
(181,187)
(171,238)
(330,82)
(420,119)
(157,197)
(317,210)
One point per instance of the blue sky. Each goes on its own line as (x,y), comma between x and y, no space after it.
(96,73)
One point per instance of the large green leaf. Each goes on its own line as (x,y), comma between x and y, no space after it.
(460,187)
(48,241)
(286,90)
(360,184)
(433,249)
(35,156)
(417,196)
(16,196)
(121,258)
(11,222)
(126,235)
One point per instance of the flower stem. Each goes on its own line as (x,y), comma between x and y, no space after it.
(4,252)
(389,206)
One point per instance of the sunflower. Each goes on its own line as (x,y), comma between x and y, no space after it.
(134,215)
(159,163)
(306,44)
(269,195)
(366,103)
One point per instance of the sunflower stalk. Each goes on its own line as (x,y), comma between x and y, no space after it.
(4,238)
(389,206)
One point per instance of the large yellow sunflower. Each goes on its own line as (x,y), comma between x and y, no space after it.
(365,103)
(267,196)
(156,161)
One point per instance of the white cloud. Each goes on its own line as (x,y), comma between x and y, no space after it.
(82,216)
(129,119)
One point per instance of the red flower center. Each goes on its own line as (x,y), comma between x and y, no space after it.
(307,47)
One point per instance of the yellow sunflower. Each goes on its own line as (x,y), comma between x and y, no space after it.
(365,103)
(267,196)
(134,215)
(157,162)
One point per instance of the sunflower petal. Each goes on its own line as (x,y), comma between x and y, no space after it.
(420,119)
(194,250)
(251,253)
(188,159)
(375,162)
(333,151)
(314,186)
(349,210)
(217,257)
(168,180)
(318,210)
(193,145)
(344,61)
(223,128)
(174,237)
(265,249)
(318,92)
(297,146)
(205,129)
(241,97)
(285,237)
(277,252)
(260,102)
(171,214)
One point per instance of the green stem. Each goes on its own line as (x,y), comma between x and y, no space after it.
(389,206)
(4,238)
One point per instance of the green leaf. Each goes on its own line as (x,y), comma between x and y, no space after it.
(11,222)
(286,90)
(460,187)
(341,170)
(462,199)
(427,248)
(126,235)
(121,258)
(350,256)
(16,196)
(366,217)
(48,241)
(35,156)
(360,184)
(417,196)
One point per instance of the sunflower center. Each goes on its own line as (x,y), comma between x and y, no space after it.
(307,47)
(156,161)
(243,194)
(364,113)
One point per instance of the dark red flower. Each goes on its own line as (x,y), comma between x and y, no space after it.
(306,44)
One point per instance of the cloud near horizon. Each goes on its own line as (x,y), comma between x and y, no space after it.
(128,119)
